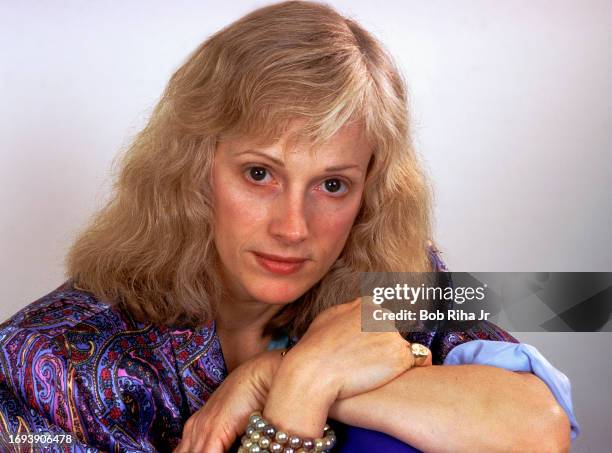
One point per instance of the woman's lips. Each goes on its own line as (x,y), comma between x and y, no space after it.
(279,264)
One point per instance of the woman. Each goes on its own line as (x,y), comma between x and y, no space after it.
(276,167)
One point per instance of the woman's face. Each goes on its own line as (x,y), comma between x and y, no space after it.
(282,216)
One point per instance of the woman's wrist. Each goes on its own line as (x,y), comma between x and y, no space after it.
(261,435)
(263,368)
(300,396)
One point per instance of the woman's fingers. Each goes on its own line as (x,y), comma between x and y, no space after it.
(200,445)
(185,443)
(182,447)
(208,446)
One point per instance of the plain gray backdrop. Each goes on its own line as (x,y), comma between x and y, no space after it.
(511,112)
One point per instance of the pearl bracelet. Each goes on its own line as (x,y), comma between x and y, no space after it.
(261,437)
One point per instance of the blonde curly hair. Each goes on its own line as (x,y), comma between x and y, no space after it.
(151,248)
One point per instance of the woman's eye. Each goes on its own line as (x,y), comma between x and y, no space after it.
(334,186)
(258,174)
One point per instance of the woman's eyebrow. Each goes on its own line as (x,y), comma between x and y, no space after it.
(280,163)
(277,161)
(343,167)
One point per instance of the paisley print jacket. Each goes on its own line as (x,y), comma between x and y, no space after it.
(72,365)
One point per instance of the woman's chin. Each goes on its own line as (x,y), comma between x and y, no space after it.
(277,293)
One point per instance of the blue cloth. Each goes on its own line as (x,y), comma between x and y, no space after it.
(352,439)
(517,357)
(279,343)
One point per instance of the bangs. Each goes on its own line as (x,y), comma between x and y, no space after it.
(323,95)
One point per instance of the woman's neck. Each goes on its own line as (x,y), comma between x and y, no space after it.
(240,326)
(238,316)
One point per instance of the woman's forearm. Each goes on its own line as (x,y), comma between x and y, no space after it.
(434,408)
(461,408)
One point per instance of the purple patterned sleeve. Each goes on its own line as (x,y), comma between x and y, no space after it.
(72,365)
(39,395)
(46,388)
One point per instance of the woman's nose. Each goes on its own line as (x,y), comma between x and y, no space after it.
(288,222)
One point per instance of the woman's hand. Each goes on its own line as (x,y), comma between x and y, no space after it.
(349,360)
(215,426)
(334,360)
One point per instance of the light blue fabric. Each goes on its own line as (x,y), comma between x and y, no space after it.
(278,343)
(517,357)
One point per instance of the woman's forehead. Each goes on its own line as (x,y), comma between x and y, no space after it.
(295,138)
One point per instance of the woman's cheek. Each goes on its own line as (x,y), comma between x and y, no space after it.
(244,206)
(335,220)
